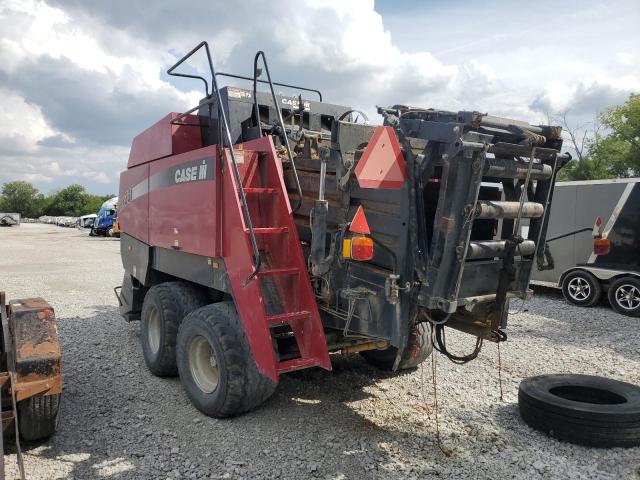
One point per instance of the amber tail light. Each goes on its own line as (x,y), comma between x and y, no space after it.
(358,248)
(601,246)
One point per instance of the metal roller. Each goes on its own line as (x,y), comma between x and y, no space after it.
(495,248)
(494,209)
(502,168)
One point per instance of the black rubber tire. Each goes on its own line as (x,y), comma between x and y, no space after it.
(110,233)
(173,301)
(582,409)
(240,386)
(92,233)
(418,349)
(595,289)
(38,416)
(613,288)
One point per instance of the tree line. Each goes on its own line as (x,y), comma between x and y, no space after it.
(25,199)
(608,147)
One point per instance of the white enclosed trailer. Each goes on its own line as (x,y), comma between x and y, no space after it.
(589,260)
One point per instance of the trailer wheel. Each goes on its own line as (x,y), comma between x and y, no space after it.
(582,409)
(624,296)
(581,288)
(38,416)
(216,367)
(417,351)
(110,233)
(163,309)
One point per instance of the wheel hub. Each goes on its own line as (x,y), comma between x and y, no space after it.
(153,330)
(628,296)
(579,289)
(203,365)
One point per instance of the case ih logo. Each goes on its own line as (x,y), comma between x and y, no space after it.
(191,174)
(193,171)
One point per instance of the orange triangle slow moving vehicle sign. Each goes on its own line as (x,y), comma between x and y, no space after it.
(382,162)
(359,223)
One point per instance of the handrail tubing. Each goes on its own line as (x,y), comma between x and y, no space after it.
(286,85)
(280,120)
(236,171)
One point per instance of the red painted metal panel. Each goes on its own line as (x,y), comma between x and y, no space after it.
(163,139)
(134,202)
(382,162)
(184,210)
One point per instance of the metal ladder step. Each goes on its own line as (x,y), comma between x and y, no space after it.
(296,364)
(268,230)
(282,318)
(279,271)
(260,190)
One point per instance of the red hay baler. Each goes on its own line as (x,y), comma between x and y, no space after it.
(262,232)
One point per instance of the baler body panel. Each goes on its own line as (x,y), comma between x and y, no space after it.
(134,189)
(163,139)
(183,204)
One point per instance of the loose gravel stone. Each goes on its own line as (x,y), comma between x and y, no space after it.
(118,421)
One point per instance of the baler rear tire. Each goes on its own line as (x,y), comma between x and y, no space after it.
(418,349)
(38,416)
(239,386)
(169,302)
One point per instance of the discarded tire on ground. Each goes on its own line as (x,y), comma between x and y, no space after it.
(582,409)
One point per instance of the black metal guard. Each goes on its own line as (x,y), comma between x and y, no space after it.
(575,232)
(283,132)
(286,85)
(227,137)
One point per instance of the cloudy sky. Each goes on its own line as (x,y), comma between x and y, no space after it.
(79,79)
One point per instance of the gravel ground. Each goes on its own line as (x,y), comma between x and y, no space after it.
(118,421)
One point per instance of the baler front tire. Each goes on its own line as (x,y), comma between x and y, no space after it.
(164,307)
(217,369)
(38,416)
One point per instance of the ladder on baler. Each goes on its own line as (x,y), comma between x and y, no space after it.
(285,298)
(285,289)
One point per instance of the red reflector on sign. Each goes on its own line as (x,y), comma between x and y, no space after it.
(597,227)
(361,248)
(382,162)
(601,246)
(359,223)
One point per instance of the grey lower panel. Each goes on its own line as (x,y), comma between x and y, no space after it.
(135,257)
(206,271)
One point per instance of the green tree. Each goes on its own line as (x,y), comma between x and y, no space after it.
(20,197)
(94,202)
(620,150)
(69,201)
(614,154)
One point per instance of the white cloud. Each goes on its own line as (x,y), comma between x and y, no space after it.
(79,79)
(625,58)
(587,96)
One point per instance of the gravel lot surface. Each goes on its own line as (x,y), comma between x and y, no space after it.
(118,421)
